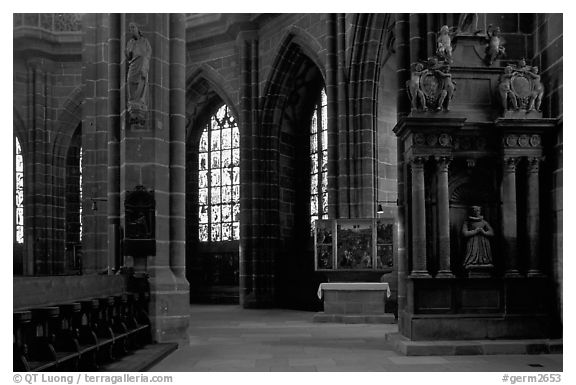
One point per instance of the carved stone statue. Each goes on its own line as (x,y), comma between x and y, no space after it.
(444,44)
(477,233)
(447,87)
(537,90)
(468,23)
(505,89)
(417,98)
(495,47)
(138,53)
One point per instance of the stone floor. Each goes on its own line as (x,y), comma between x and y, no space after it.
(229,338)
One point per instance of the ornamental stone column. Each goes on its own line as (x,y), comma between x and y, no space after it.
(419,269)
(509,217)
(533,216)
(443,218)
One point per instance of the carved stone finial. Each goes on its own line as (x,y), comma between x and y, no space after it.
(430,86)
(495,48)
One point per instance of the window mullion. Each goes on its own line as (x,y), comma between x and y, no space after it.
(319,158)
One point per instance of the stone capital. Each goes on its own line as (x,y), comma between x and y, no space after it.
(533,164)
(510,163)
(443,163)
(417,162)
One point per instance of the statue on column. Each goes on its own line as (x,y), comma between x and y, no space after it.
(477,231)
(138,53)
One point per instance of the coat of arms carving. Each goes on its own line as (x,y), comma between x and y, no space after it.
(520,88)
(430,86)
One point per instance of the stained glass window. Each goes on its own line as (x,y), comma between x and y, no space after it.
(19,192)
(219,179)
(319,161)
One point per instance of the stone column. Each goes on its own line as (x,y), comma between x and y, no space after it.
(443,218)
(533,216)
(114,202)
(509,217)
(419,269)
(153,155)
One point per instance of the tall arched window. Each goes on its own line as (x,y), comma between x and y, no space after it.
(319,161)
(18,193)
(219,179)
(73,202)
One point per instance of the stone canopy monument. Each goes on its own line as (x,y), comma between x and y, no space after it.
(471,167)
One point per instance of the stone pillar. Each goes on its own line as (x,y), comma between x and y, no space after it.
(443,218)
(153,155)
(332,114)
(115,50)
(509,217)
(533,216)
(419,269)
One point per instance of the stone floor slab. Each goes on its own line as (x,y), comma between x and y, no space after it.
(225,338)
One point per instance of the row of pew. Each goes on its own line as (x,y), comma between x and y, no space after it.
(80,336)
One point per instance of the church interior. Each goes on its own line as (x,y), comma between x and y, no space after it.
(391,177)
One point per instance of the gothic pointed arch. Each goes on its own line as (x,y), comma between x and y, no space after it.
(19,128)
(69,117)
(67,178)
(212,188)
(205,91)
(306,42)
(283,141)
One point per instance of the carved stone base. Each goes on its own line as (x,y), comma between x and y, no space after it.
(420,274)
(445,274)
(137,116)
(480,271)
(522,114)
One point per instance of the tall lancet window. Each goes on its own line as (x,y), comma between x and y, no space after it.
(19,192)
(219,179)
(319,161)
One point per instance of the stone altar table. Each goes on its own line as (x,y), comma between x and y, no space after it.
(354,302)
